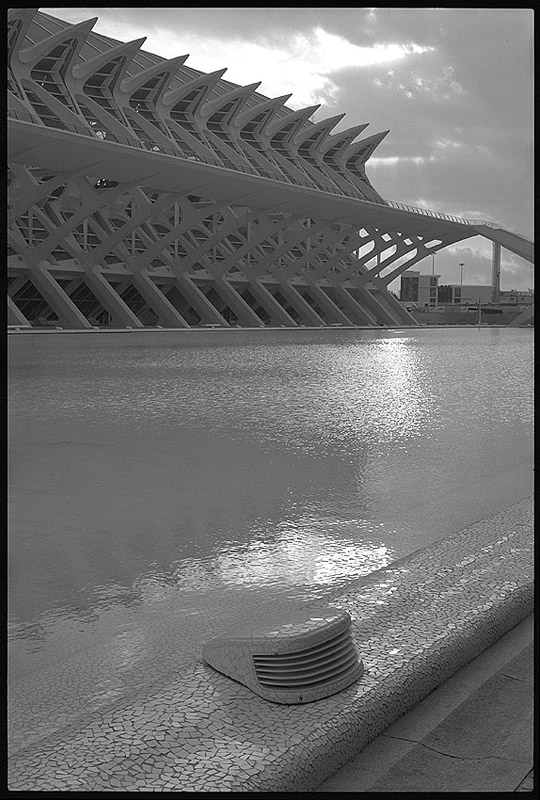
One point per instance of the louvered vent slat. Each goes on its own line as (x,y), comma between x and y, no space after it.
(308,676)
(305,683)
(301,662)
(306,669)
(323,663)
(307,652)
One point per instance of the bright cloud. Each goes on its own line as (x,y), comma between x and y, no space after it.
(299,63)
(438,88)
(391,161)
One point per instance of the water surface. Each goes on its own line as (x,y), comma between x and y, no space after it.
(159,480)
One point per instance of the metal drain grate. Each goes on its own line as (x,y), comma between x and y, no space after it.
(306,657)
(313,666)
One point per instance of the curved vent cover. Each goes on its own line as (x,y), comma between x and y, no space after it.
(306,657)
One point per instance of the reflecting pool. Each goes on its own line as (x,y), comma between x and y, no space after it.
(160,480)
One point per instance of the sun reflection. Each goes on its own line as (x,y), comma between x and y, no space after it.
(304,553)
(404,403)
(300,558)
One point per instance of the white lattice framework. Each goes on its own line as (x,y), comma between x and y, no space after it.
(144,192)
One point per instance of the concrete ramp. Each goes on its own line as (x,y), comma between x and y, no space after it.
(526,316)
(510,241)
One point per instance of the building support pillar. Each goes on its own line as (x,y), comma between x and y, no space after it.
(14,316)
(308,314)
(167,313)
(67,312)
(397,313)
(496,274)
(380,313)
(202,305)
(246,316)
(277,313)
(122,316)
(361,316)
(335,314)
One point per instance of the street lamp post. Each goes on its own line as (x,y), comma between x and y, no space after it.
(461,265)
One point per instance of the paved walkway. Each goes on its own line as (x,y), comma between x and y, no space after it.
(472,734)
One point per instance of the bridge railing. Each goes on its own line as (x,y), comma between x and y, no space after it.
(437,215)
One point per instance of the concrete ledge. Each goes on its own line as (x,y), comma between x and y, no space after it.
(473,733)
(415,624)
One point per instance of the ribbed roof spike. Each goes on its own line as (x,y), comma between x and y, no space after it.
(129,49)
(342,140)
(300,116)
(129,85)
(41,49)
(243,92)
(209,79)
(319,129)
(248,113)
(361,151)
(16,32)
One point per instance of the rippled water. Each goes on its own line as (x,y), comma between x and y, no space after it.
(155,476)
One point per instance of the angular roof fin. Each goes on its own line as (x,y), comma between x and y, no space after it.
(341,141)
(360,152)
(299,117)
(129,49)
(170,66)
(208,79)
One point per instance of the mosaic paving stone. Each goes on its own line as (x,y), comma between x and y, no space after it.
(414,623)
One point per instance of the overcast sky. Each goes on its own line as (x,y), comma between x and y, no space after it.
(453,86)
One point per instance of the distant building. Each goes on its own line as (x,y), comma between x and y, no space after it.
(516,298)
(455,294)
(419,289)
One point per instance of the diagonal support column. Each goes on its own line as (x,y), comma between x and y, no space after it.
(199,301)
(394,308)
(335,314)
(122,315)
(167,313)
(244,312)
(68,314)
(357,312)
(14,316)
(307,313)
(277,313)
(377,310)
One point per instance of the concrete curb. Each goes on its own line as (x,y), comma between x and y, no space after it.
(472,733)
(361,724)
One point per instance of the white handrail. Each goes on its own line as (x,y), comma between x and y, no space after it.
(437,215)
